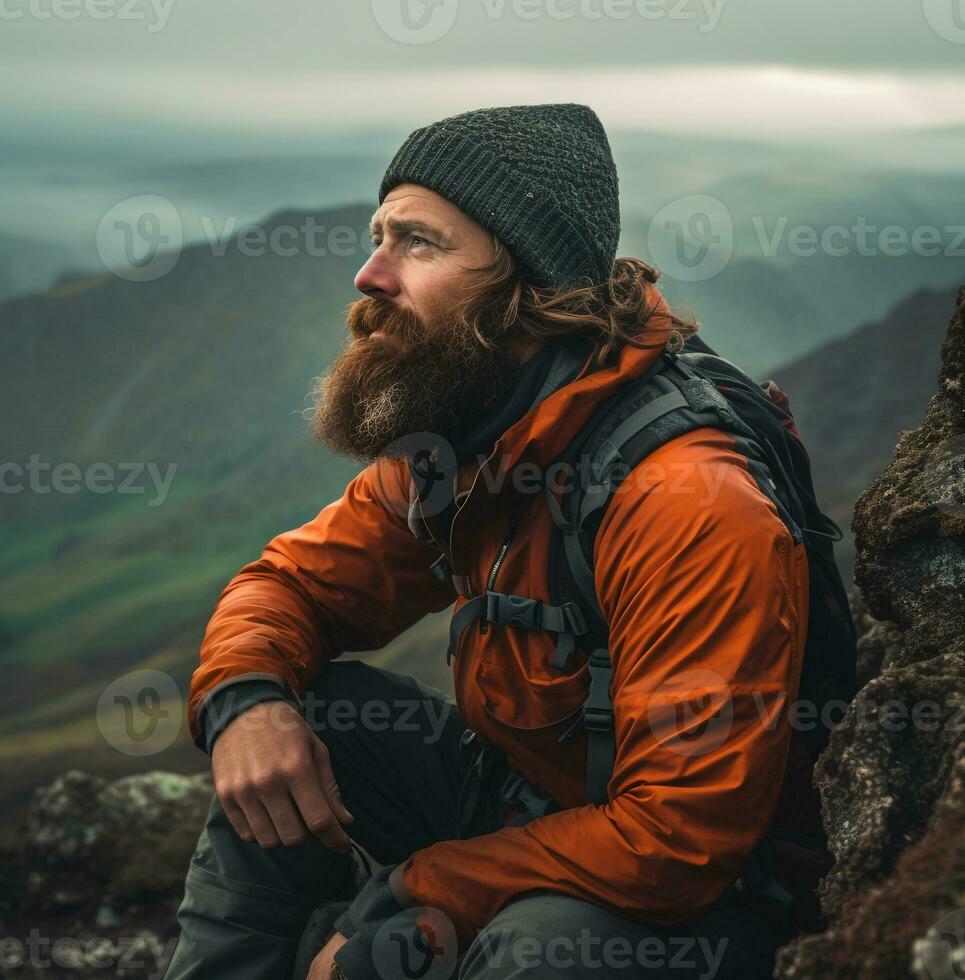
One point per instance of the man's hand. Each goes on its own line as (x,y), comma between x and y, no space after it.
(275,781)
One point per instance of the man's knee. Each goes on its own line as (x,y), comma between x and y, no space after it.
(550,935)
(536,935)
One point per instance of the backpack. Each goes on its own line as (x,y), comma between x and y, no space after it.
(680,392)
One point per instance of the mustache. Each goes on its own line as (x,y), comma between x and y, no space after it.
(367,315)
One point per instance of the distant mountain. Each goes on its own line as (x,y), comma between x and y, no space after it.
(752,313)
(29,265)
(853,396)
(204,370)
(780,296)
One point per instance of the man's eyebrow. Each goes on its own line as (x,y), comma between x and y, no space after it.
(407,227)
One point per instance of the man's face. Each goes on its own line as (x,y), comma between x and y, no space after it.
(408,365)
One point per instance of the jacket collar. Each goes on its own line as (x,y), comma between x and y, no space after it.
(557,417)
(543,433)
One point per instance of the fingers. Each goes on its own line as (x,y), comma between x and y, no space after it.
(319,802)
(328,783)
(250,819)
(262,824)
(238,820)
(288,804)
(317,816)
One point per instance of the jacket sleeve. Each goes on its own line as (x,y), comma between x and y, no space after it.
(705,592)
(352,579)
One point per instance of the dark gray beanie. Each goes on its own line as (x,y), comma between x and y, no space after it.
(540,177)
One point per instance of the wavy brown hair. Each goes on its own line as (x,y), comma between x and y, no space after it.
(613,314)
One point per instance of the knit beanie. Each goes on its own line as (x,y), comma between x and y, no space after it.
(540,177)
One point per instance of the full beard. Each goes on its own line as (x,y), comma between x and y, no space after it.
(416,378)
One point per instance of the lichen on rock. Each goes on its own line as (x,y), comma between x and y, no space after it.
(892,779)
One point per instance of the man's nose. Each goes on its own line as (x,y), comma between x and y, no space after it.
(377,278)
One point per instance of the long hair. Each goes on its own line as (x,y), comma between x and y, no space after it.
(612,314)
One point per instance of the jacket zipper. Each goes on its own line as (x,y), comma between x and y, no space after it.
(494,571)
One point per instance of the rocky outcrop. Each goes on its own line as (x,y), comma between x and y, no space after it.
(94,887)
(892,778)
(130,839)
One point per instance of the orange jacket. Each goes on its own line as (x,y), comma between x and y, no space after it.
(702,586)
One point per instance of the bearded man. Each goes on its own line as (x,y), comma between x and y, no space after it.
(496,319)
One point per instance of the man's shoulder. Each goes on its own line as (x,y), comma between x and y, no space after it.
(699,480)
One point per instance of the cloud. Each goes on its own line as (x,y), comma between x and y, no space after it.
(765,101)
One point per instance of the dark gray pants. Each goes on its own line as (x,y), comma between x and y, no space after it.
(395,749)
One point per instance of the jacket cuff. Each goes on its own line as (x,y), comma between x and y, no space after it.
(374,905)
(232,700)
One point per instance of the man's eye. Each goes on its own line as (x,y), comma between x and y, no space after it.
(417,240)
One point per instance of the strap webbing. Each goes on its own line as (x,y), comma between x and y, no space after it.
(506,609)
(597,717)
(638,421)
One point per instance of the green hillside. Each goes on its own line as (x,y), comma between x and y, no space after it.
(204,370)
(203,373)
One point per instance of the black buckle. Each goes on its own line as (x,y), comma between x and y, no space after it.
(574,617)
(597,712)
(513,610)
(512,787)
(522,794)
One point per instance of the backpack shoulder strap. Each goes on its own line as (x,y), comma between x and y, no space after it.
(673,398)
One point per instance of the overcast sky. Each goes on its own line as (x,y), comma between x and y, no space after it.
(745,67)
